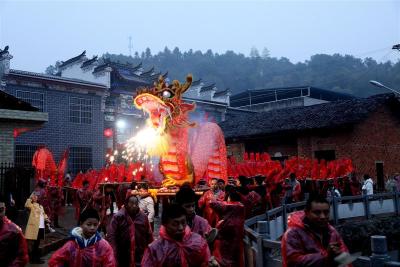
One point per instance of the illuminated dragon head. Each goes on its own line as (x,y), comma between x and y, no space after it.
(163,102)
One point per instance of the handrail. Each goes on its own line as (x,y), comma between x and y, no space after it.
(342,208)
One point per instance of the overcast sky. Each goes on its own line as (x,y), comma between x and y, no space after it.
(41,32)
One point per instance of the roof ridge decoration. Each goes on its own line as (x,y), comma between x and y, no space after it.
(222,92)
(207,88)
(132,78)
(148,72)
(101,67)
(4,51)
(74,59)
(89,62)
(128,66)
(196,82)
(154,76)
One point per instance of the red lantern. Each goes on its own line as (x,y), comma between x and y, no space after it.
(108,132)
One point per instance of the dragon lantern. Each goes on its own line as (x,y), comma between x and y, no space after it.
(194,150)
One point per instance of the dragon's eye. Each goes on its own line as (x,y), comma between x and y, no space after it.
(167,94)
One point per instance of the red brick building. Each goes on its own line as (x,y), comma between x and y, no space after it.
(365,130)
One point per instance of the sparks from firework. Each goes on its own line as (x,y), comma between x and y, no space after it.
(146,144)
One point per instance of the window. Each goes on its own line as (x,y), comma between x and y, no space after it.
(327,155)
(80,110)
(24,155)
(80,159)
(34,98)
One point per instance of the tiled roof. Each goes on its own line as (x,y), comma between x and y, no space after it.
(204,101)
(53,78)
(328,115)
(71,60)
(101,67)
(127,66)
(222,92)
(269,95)
(147,73)
(89,62)
(139,81)
(196,83)
(11,102)
(207,88)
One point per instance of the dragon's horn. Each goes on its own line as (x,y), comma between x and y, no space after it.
(180,89)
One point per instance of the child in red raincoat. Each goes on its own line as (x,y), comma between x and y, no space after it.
(177,245)
(85,247)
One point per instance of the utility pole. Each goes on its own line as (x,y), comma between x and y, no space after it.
(130,45)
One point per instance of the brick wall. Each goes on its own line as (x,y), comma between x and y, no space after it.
(6,143)
(59,133)
(376,139)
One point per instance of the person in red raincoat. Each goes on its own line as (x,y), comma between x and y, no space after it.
(228,246)
(56,199)
(83,198)
(211,195)
(13,247)
(310,240)
(355,186)
(101,202)
(85,247)
(177,245)
(129,233)
(186,198)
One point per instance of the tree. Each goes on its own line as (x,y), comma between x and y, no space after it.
(177,54)
(254,52)
(265,53)
(148,53)
(52,70)
(342,73)
(167,52)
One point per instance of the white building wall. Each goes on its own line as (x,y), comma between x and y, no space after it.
(75,71)
(221,99)
(193,92)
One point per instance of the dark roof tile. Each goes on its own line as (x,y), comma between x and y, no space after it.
(89,62)
(327,115)
(8,101)
(196,83)
(222,92)
(53,78)
(71,60)
(207,88)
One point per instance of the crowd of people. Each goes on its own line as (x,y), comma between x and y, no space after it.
(116,223)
